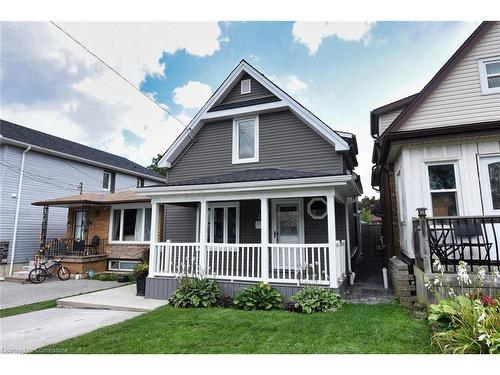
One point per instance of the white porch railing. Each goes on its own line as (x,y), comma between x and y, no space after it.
(234,261)
(288,263)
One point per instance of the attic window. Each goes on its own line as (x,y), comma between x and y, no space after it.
(489,72)
(246,86)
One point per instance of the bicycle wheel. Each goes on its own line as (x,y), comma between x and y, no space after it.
(63,273)
(37,275)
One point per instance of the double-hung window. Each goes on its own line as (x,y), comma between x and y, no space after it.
(106,180)
(223,222)
(443,189)
(130,225)
(489,71)
(246,140)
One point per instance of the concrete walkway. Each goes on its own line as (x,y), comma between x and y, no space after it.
(119,299)
(24,333)
(16,294)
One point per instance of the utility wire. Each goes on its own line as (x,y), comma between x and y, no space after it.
(117,73)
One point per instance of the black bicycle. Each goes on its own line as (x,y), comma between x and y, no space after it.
(48,269)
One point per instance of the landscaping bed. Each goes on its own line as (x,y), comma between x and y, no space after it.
(354,328)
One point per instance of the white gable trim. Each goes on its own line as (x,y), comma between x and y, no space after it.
(198,120)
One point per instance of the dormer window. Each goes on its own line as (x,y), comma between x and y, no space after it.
(246,86)
(246,140)
(489,72)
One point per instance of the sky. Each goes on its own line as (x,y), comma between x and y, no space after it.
(338,70)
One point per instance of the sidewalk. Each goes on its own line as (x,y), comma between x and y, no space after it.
(118,299)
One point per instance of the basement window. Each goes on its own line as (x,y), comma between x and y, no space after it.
(122,265)
(489,72)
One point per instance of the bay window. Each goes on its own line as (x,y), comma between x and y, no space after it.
(443,189)
(130,224)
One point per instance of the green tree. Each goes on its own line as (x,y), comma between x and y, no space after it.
(367,203)
(154,165)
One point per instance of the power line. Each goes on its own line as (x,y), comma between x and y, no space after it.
(117,73)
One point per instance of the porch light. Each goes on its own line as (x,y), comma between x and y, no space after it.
(421,211)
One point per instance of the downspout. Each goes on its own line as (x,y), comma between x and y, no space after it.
(18,204)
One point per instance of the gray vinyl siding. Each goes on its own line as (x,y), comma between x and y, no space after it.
(45,177)
(285,142)
(458,98)
(387,119)
(257,91)
(249,212)
(180,223)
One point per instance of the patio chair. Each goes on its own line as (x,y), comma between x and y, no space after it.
(92,248)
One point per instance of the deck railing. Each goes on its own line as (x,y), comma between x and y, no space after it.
(73,247)
(287,263)
(472,239)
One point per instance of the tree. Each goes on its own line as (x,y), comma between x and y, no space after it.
(367,203)
(154,165)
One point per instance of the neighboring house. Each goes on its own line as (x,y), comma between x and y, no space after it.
(37,166)
(440,150)
(105,231)
(258,189)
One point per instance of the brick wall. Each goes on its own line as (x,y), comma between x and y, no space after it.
(402,281)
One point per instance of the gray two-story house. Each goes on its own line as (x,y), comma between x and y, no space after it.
(36,166)
(257,189)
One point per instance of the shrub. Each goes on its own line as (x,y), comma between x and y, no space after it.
(260,297)
(466,325)
(106,277)
(141,270)
(225,301)
(316,299)
(195,292)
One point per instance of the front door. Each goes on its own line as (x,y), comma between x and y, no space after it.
(288,228)
(489,172)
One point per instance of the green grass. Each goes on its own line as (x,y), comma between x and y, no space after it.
(384,328)
(27,308)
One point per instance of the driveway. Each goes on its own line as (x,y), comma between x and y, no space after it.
(24,333)
(17,294)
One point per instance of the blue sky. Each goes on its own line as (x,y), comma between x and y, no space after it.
(340,71)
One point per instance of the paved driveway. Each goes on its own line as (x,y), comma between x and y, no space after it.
(17,294)
(24,333)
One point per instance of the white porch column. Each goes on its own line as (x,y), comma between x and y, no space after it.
(153,238)
(264,238)
(203,237)
(332,239)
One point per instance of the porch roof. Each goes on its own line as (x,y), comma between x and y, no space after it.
(249,175)
(95,199)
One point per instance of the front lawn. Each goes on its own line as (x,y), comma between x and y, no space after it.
(384,328)
(4,313)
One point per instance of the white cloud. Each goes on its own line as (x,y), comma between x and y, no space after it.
(192,95)
(294,85)
(49,83)
(312,33)
(135,48)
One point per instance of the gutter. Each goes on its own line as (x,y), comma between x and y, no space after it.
(18,204)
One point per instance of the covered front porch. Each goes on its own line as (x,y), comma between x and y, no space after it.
(289,235)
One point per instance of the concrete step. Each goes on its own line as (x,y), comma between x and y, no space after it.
(16,279)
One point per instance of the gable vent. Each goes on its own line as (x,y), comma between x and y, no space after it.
(246,86)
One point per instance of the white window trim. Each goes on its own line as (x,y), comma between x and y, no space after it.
(249,86)
(122,214)
(225,206)
(457,189)
(483,76)
(109,180)
(119,261)
(236,153)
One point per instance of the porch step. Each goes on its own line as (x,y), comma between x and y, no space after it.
(18,277)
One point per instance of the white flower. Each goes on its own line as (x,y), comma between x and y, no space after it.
(495,274)
(451,293)
(482,317)
(438,265)
(481,273)
(462,275)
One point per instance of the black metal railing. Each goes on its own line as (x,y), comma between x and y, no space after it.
(73,246)
(473,239)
